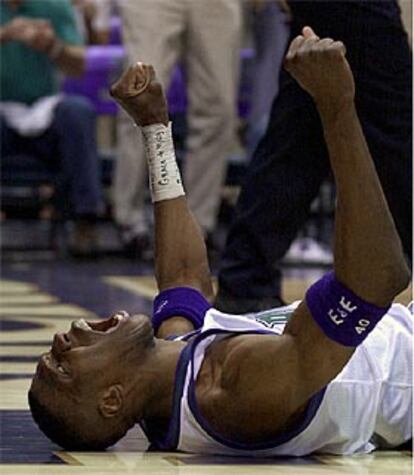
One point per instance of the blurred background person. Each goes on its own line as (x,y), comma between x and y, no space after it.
(204,37)
(292,156)
(39,40)
(269,24)
(93,18)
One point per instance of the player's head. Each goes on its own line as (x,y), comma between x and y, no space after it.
(84,395)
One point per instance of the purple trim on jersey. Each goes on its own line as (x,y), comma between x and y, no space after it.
(187,336)
(169,440)
(310,411)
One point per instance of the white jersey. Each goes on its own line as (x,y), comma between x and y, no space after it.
(368,405)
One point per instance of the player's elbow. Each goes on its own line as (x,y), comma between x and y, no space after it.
(403,277)
(395,279)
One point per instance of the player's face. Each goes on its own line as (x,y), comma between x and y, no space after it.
(93,354)
(71,378)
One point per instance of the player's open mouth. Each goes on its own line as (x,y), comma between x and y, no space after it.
(101,326)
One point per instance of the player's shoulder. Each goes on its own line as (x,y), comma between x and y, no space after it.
(239,358)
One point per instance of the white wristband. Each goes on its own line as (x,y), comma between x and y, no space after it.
(164,175)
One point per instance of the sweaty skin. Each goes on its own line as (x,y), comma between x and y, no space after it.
(250,387)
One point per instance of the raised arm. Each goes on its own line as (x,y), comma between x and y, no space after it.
(180,252)
(342,308)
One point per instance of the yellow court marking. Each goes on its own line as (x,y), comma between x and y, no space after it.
(25,350)
(405,297)
(295,288)
(14,286)
(17,368)
(161,464)
(67,458)
(144,286)
(57,310)
(49,327)
(13,394)
(27,299)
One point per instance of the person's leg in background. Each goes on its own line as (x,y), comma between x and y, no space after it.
(74,132)
(381,59)
(212,51)
(385,110)
(284,177)
(286,164)
(152,33)
(69,147)
(9,144)
(270,32)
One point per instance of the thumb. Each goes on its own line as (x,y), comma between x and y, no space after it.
(307,32)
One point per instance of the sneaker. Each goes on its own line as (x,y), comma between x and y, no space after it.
(308,251)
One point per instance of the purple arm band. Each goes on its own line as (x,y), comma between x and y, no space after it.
(180,302)
(342,316)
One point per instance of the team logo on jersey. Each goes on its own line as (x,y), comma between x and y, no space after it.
(273,318)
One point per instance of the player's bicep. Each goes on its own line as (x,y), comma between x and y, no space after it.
(283,372)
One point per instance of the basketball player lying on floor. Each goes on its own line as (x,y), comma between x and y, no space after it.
(336,378)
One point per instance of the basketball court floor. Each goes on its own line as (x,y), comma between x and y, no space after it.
(39,299)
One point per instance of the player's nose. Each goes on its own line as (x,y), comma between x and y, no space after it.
(61,343)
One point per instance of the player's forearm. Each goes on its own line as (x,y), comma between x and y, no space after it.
(181,259)
(180,251)
(368,253)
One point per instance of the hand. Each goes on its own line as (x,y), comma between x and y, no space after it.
(321,69)
(140,94)
(43,38)
(17,29)
(37,34)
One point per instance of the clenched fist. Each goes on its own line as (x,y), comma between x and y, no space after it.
(321,69)
(140,94)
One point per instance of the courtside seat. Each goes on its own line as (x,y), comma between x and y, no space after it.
(21,179)
(23,175)
(104,65)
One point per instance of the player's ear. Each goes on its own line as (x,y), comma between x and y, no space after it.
(111,401)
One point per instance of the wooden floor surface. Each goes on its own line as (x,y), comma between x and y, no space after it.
(32,312)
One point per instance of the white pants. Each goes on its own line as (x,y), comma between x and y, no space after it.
(205,34)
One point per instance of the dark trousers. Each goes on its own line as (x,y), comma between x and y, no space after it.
(69,147)
(291,161)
